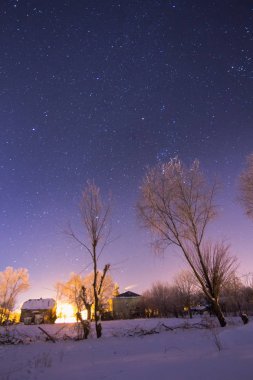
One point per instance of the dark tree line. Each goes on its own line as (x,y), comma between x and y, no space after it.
(181,299)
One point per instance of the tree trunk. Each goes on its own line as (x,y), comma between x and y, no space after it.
(88,313)
(218,313)
(244,318)
(95,290)
(98,329)
(85,325)
(97,323)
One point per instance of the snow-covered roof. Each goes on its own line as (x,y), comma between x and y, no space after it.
(128,294)
(39,304)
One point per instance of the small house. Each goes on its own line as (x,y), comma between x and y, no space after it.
(37,311)
(126,305)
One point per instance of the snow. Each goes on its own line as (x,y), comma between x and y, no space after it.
(39,304)
(124,353)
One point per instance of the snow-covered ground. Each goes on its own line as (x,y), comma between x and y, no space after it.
(127,352)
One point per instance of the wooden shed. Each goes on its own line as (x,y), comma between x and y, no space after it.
(37,311)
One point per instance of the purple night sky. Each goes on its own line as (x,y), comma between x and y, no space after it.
(100,90)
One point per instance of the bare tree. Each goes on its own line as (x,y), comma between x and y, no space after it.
(177,204)
(237,297)
(94,215)
(157,300)
(70,291)
(78,291)
(246,187)
(12,283)
(105,289)
(185,284)
(162,300)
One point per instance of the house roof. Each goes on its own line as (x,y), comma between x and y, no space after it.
(39,304)
(128,294)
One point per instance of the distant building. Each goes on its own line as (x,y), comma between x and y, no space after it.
(38,311)
(126,305)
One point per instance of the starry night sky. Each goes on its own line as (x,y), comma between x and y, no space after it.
(97,89)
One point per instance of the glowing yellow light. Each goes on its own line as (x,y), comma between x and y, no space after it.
(66,313)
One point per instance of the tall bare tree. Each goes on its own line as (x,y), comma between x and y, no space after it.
(177,204)
(95,218)
(246,187)
(12,283)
